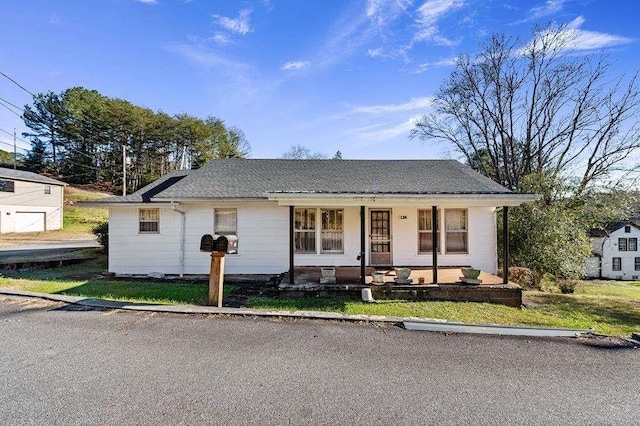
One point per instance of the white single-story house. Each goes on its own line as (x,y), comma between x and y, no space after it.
(288,213)
(29,202)
(616,254)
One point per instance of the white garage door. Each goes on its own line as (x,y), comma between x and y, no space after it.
(29,221)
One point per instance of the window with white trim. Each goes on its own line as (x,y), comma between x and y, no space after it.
(637,263)
(616,264)
(225,222)
(47,189)
(425,231)
(148,221)
(305,230)
(632,244)
(456,238)
(332,230)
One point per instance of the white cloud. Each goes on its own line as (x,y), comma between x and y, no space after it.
(573,38)
(374,53)
(146,1)
(429,14)
(220,38)
(240,25)
(448,62)
(295,65)
(413,104)
(549,8)
(385,133)
(381,12)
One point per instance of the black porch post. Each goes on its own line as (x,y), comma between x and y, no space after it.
(291,245)
(434,242)
(505,245)
(363,242)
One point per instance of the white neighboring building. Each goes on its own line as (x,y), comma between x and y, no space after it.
(618,251)
(285,213)
(29,202)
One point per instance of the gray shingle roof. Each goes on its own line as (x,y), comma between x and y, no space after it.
(256,178)
(249,178)
(27,176)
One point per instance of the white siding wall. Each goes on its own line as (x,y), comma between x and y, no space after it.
(30,197)
(263,240)
(610,250)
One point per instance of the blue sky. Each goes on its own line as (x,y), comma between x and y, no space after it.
(331,75)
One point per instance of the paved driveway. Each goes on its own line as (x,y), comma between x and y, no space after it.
(62,365)
(45,248)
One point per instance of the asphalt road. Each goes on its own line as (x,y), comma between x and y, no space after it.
(63,365)
(46,248)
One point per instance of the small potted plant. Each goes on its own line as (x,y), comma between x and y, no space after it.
(470,273)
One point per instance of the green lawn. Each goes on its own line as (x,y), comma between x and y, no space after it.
(84,280)
(609,307)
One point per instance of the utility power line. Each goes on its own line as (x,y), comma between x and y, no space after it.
(16,83)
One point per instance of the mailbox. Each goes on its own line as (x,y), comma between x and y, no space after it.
(206,243)
(219,243)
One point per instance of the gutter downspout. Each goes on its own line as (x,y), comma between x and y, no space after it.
(175,208)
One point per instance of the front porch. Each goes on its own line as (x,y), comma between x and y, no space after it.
(448,287)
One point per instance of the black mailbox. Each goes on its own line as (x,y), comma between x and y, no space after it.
(221,244)
(206,243)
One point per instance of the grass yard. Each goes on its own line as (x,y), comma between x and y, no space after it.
(609,307)
(85,280)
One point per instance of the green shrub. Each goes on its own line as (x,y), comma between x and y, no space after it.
(101,231)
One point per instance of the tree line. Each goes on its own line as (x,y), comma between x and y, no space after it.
(87,137)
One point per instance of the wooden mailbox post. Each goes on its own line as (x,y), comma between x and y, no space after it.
(218,248)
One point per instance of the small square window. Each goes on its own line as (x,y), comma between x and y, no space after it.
(616,264)
(47,189)
(149,220)
(627,229)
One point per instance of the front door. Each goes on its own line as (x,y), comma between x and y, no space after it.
(380,238)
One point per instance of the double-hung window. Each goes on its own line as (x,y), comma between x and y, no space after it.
(622,244)
(332,230)
(305,230)
(47,189)
(148,221)
(616,264)
(425,231)
(632,244)
(636,263)
(225,222)
(330,234)
(456,238)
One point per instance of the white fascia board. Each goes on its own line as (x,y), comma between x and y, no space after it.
(111,205)
(470,200)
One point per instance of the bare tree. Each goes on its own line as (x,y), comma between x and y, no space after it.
(512,110)
(300,152)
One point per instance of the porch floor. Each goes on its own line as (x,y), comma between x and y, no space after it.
(449,286)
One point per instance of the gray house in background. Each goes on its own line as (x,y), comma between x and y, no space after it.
(29,202)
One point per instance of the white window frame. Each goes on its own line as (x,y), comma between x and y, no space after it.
(319,230)
(630,246)
(465,231)
(299,230)
(335,231)
(47,189)
(430,231)
(143,220)
(227,232)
